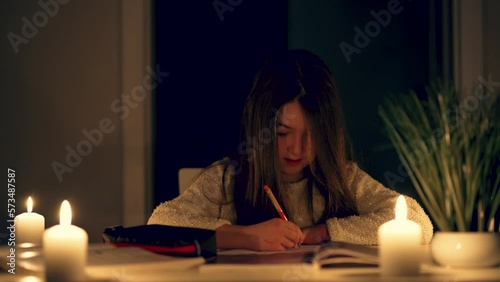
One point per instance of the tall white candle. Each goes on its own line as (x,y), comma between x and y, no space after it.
(65,249)
(29,227)
(399,241)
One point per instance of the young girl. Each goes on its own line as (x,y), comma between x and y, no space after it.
(293,141)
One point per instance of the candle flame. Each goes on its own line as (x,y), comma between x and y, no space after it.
(401,210)
(65,213)
(30,204)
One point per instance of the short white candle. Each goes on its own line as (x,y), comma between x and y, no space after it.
(399,241)
(29,227)
(65,249)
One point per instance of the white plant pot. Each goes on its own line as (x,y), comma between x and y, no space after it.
(466,249)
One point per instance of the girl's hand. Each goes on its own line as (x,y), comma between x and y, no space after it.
(273,235)
(316,234)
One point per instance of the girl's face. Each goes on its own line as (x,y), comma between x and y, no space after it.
(294,149)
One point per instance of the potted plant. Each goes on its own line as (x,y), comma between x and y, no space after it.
(451,152)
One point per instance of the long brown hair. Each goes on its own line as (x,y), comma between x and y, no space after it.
(285,77)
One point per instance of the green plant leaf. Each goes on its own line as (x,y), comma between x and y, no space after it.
(456,172)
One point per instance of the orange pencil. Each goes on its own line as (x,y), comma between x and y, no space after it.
(275,203)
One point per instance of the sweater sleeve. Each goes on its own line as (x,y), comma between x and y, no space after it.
(375,205)
(202,205)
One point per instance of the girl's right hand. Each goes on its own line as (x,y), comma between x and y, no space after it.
(273,235)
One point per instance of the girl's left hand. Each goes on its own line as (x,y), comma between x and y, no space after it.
(316,234)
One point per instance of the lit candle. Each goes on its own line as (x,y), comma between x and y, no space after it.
(399,241)
(65,249)
(29,227)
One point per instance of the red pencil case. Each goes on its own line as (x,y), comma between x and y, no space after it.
(164,239)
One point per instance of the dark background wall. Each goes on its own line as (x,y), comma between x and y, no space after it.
(213,60)
(59,83)
(394,59)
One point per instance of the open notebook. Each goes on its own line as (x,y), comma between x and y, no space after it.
(334,253)
(306,258)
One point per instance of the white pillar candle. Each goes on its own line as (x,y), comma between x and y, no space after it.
(399,241)
(65,249)
(29,227)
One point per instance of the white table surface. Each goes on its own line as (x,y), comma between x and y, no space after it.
(428,272)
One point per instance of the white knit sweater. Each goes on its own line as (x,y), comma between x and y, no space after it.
(201,206)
